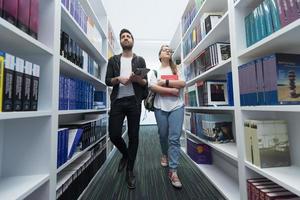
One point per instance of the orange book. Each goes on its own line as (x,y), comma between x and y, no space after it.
(169,77)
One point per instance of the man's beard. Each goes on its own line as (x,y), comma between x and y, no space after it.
(127,47)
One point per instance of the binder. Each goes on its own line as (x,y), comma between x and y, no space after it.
(74,140)
(8,83)
(18,82)
(34,92)
(26,86)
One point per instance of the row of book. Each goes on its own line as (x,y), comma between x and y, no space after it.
(270,80)
(77,136)
(213,127)
(264,189)
(210,93)
(84,21)
(213,55)
(99,100)
(267,143)
(190,13)
(75,94)
(72,51)
(19,84)
(268,17)
(199,152)
(22,13)
(207,22)
(111,38)
(73,180)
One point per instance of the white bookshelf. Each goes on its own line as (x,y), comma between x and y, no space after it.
(78,154)
(219,33)
(226,184)
(228,149)
(70,112)
(231,28)
(75,31)
(70,69)
(220,69)
(211,108)
(28,143)
(29,114)
(19,187)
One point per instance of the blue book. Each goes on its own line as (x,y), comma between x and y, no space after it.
(74,140)
(267,17)
(248,30)
(275,14)
(230,89)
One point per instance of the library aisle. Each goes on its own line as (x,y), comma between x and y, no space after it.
(152,180)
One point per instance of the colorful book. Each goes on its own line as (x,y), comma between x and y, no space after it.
(199,152)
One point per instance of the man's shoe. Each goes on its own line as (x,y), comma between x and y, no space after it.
(174,179)
(130,179)
(122,164)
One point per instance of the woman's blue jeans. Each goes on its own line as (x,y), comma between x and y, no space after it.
(169,130)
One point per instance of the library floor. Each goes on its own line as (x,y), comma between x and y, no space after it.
(152,180)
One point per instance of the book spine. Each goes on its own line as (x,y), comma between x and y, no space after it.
(8,83)
(2,58)
(23,15)
(267,17)
(10,11)
(35,87)
(34,18)
(26,86)
(283,12)
(18,81)
(274,7)
(1,7)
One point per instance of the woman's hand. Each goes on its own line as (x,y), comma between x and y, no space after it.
(161,82)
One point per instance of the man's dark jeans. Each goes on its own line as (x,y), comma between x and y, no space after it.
(126,106)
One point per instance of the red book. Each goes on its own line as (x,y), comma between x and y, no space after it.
(23,15)
(169,77)
(10,11)
(34,18)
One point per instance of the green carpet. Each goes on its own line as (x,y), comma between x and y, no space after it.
(152,180)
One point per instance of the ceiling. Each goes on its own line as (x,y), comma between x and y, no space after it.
(148,20)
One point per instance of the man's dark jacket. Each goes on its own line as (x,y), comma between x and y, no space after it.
(113,70)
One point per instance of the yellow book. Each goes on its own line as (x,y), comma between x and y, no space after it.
(1,79)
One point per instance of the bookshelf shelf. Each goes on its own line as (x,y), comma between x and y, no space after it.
(70,69)
(70,112)
(281,108)
(19,187)
(282,41)
(30,114)
(220,69)
(207,6)
(222,181)
(228,149)
(70,26)
(14,41)
(287,177)
(220,33)
(218,108)
(78,154)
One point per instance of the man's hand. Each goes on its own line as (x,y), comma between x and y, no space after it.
(124,80)
(136,78)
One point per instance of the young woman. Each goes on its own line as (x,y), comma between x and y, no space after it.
(167,83)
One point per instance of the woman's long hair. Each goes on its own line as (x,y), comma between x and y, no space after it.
(171,63)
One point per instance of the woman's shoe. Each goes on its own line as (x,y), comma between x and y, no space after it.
(174,179)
